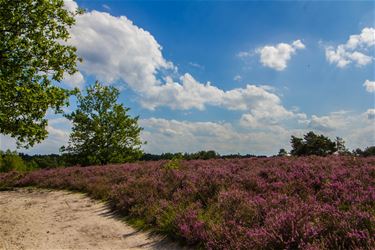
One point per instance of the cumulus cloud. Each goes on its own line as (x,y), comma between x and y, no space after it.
(164,135)
(357,129)
(370,86)
(353,51)
(329,122)
(360,130)
(277,57)
(370,114)
(58,135)
(114,49)
(70,5)
(262,107)
(365,39)
(186,136)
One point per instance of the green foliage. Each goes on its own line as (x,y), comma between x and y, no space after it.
(282,152)
(312,144)
(11,161)
(32,57)
(201,155)
(46,161)
(175,163)
(369,151)
(102,130)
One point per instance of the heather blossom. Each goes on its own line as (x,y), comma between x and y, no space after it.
(256,203)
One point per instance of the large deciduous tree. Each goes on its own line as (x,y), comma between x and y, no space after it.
(102,130)
(33,55)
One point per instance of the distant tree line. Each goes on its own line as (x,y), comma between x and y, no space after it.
(369,151)
(201,155)
(11,160)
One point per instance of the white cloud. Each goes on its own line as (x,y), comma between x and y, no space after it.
(298,44)
(257,101)
(277,57)
(185,136)
(187,94)
(353,51)
(358,130)
(70,5)
(163,135)
(74,81)
(370,114)
(370,86)
(360,58)
(113,49)
(365,39)
(329,122)
(58,135)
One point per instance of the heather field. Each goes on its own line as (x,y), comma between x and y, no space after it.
(255,203)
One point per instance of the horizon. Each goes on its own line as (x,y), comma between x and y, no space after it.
(234,77)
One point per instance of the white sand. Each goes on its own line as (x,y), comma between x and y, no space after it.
(43,219)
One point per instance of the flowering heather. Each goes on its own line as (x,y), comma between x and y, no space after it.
(266,203)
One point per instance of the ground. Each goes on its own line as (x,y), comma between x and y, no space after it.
(45,219)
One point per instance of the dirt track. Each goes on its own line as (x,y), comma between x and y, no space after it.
(43,219)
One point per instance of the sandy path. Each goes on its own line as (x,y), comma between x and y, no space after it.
(42,219)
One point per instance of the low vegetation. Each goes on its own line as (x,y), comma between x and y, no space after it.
(256,203)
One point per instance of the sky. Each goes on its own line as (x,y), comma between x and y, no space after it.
(230,76)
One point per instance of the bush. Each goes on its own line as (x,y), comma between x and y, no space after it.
(11,161)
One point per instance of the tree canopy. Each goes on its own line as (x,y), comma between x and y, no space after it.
(32,57)
(102,130)
(369,151)
(282,152)
(312,144)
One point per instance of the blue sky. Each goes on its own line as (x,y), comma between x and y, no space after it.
(274,69)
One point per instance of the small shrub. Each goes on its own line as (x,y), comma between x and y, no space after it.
(12,161)
(175,163)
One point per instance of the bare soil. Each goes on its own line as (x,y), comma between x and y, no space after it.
(45,219)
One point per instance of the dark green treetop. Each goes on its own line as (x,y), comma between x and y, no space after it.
(312,144)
